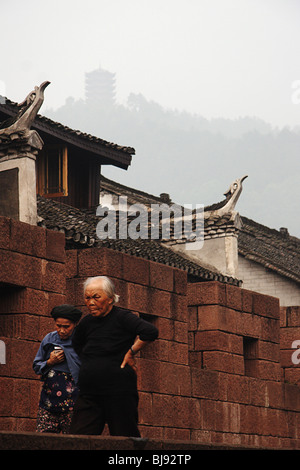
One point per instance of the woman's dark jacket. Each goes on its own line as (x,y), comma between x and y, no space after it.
(101,343)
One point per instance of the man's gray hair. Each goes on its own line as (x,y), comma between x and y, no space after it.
(107,285)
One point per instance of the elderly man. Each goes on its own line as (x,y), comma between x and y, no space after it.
(106,341)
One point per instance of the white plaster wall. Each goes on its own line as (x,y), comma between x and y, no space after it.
(259,279)
(27,186)
(216,254)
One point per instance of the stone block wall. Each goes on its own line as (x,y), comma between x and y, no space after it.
(32,282)
(216,373)
(290,344)
(236,370)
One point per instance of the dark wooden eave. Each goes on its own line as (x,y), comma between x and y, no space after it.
(110,153)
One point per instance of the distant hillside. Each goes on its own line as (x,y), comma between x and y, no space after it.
(195,159)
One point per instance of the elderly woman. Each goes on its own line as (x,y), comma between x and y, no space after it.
(106,341)
(58,365)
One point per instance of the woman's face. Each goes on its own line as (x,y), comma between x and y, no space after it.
(96,300)
(64,327)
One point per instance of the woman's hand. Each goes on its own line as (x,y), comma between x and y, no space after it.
(56,357)
(129,356)
(129,359)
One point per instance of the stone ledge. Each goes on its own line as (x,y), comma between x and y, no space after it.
(13,440)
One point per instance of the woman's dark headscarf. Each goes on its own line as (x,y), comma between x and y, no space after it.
(66,311)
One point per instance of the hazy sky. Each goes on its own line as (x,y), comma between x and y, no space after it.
(216,58)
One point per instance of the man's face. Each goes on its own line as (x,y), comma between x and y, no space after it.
(64,327)
(96,300)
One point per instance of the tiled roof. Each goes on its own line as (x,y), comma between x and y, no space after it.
(215,225)
(79,227)
(271,248)
(275,250)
